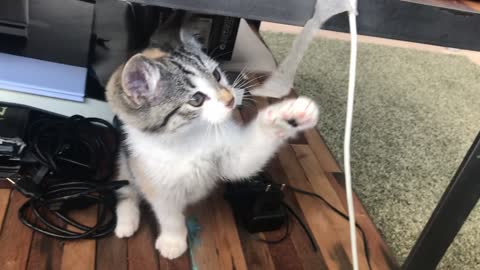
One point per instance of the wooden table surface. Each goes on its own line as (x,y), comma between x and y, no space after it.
(305,163)
(461,5)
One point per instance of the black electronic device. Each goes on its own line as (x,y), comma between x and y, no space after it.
(53,60)
(127,28)
(256,204)
(218,34)
(14,17)
(13,122)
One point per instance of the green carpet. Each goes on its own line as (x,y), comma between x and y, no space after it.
(416,115)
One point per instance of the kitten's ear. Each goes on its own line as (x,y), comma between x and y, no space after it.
(140,77)
(190,31)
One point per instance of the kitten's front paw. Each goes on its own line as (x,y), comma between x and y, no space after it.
(171,246)
(126,229)
(290,116)
(128,219)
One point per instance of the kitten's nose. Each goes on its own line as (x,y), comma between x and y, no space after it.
(226,97)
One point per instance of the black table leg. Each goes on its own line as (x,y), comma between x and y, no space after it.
(461,195)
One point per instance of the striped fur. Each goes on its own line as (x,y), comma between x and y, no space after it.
(164,108)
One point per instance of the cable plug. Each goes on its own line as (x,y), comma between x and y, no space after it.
(24,185)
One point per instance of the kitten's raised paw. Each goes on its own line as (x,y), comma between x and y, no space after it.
(292,115)
(171,246)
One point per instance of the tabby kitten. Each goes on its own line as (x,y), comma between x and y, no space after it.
(181,140)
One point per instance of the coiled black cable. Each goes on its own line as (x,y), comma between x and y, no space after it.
(57,200)
(49,139)
(73,160)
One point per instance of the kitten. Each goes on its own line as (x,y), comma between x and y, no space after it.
(176,108)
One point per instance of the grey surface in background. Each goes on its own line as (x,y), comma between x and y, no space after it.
(293,12)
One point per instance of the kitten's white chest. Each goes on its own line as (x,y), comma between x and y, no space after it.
(185,169)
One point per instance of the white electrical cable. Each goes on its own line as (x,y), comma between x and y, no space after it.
(348,132)
(281,81)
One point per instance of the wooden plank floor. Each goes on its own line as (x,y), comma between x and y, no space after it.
(305,163)
(462,5)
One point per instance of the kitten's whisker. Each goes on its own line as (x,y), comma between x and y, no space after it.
(222,54)
(242,81)
(217,133)
(206,134)
(248,95)
(249,99)
(214,127)
(253,74)
(251,86)
(214,50)
(239,93)
(238,78)
(244,74)
(236,89)
(262,76)
(249,105)
(214,133)
(253,80)
(248,89)
(253,102)
(221,131)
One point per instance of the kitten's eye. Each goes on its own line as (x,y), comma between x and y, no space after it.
(216,75)
(197,99)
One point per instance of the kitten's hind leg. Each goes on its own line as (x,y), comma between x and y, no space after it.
(128,211)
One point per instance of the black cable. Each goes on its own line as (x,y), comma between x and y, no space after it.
(268,181)
(53,141)
(340,213)
(54,202)
(304,226)
(79,154)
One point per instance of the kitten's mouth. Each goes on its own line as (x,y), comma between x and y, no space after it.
(231,104)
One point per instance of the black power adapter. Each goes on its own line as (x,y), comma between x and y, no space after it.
(257,204)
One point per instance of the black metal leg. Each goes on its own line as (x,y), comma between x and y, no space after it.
(451,212)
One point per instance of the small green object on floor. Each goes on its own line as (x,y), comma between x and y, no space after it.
(193,238)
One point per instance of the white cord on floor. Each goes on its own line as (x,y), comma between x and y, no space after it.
(348,130)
